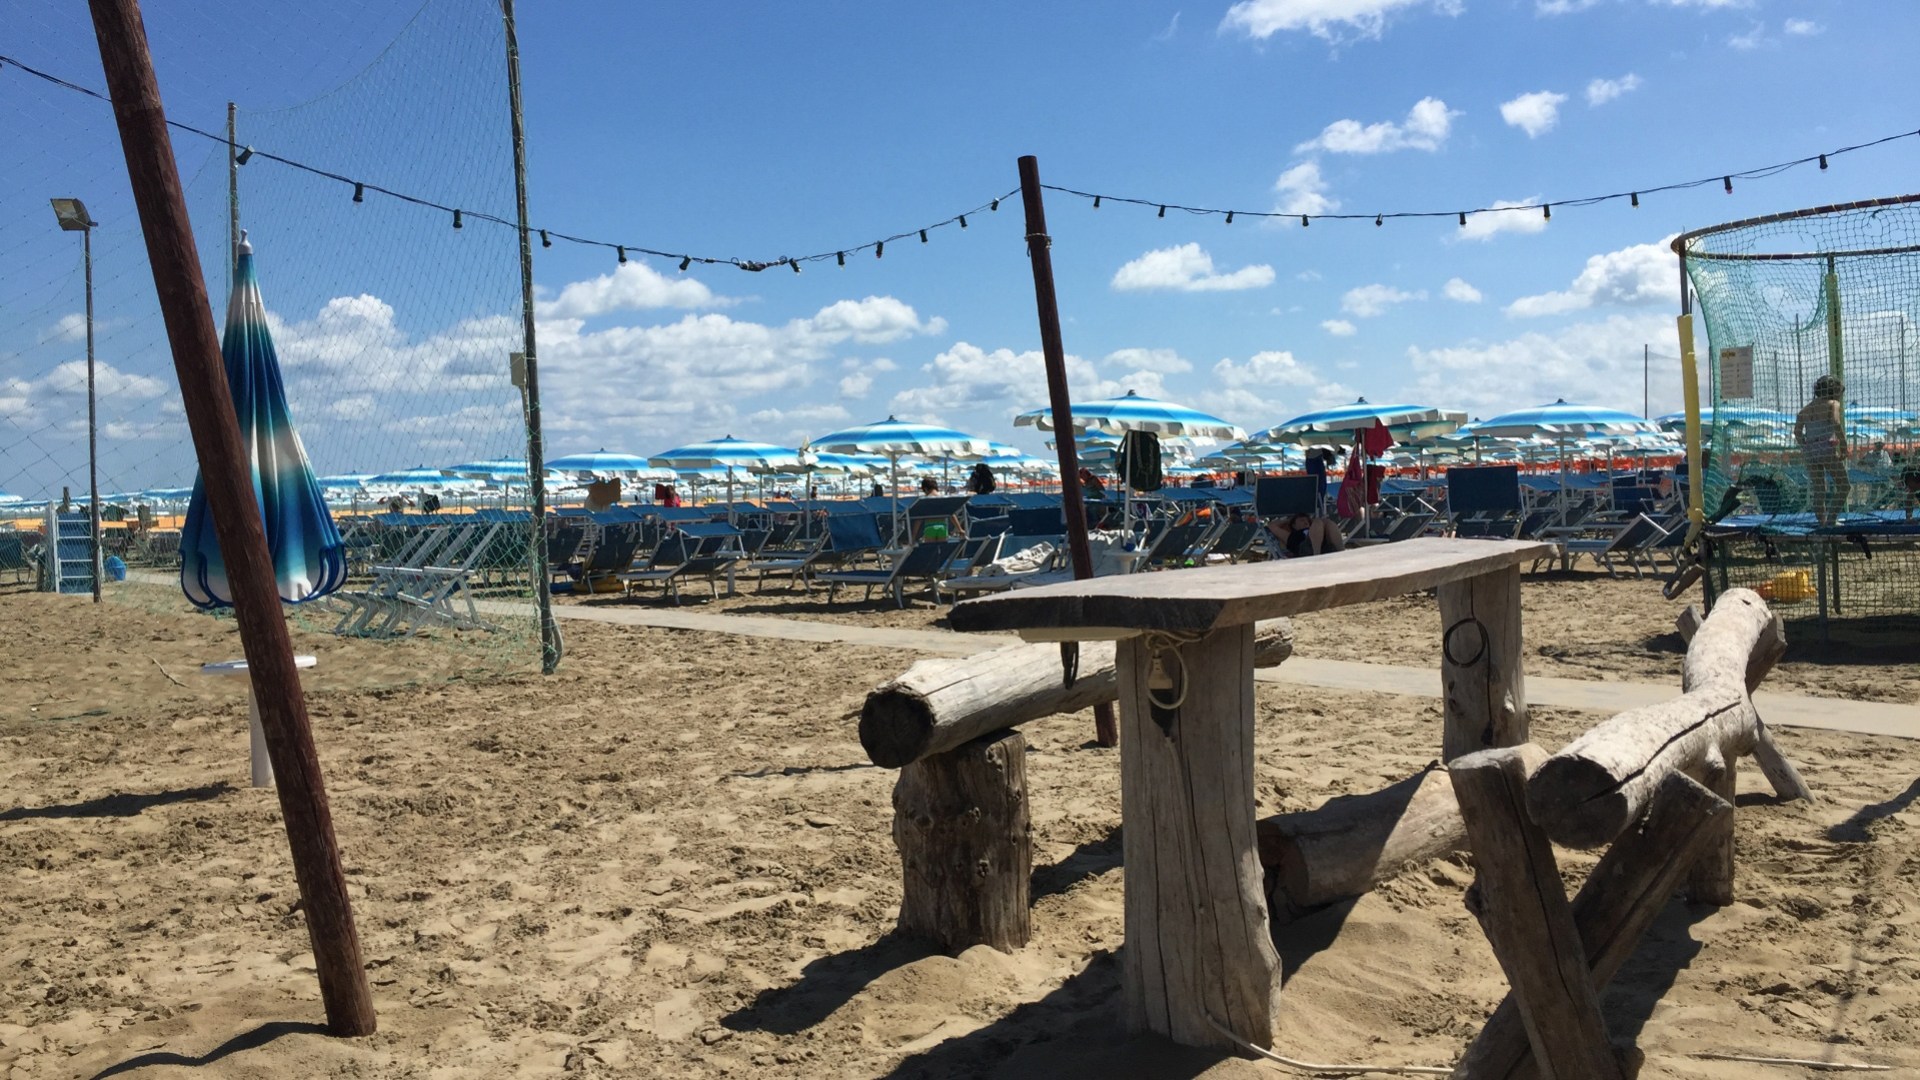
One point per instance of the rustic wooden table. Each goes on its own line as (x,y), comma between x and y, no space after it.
(1200,954)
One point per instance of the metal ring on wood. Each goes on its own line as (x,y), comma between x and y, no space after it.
(1446,642)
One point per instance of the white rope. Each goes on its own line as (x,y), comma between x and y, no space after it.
(1162,643)
(1804,1063)
(1329,1070)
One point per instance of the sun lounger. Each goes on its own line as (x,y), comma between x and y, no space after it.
(694,552)
(922,562)
(1630,544)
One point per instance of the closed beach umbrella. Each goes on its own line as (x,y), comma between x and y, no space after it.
(308,558)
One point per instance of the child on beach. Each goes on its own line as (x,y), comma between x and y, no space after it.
(1821,431)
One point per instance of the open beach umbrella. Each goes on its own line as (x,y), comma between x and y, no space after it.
(309,560)
(9,500)
(895,438)
(727,454)
(1561,422)
(604,464)
(1132,412)
(1406,422)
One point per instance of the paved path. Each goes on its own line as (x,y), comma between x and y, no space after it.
(1791,710)
(1787,710)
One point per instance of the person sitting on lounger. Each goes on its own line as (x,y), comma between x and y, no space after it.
(1299,535)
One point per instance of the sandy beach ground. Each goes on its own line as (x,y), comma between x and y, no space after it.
(672,859)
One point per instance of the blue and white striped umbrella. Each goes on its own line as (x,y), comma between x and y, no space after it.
(727,453)
(418,478)
(1407,422)
(508,470)
(601,463)
(1562,420)
(896,437)
(1131,412)
(308,558)
(345,481)
(1729,416)
(9,500)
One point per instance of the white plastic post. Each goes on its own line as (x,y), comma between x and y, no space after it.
(261,767)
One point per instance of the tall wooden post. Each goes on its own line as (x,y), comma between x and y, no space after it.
(551,647)
(1040,252)
(182,291)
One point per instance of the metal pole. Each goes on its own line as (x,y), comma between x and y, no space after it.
(1039,252)
(551,647)
(233,198)
(1646,380)
(181,288)
(93,459)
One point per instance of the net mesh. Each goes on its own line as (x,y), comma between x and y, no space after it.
(393,327)
(1812,475)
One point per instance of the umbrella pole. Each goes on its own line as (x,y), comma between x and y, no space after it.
(155,180)
(1040,253)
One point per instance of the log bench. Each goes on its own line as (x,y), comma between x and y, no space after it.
(1200,955)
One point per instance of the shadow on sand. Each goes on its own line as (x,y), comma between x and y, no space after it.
(124,804)
(246,1040)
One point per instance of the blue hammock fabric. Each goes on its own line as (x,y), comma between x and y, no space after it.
(308,558)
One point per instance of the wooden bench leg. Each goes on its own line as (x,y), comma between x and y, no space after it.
(1525,914)
(966,849)
(1199,950)
(1484,697)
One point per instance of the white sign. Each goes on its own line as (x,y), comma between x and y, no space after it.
(1736,372)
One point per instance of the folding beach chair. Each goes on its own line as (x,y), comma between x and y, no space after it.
(922,562)
(692,552)
(429,596)
(1630,544)
(377,602)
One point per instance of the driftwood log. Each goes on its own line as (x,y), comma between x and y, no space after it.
(960,822)
(938,704)
(1349,845)
(1780,772)
(1527,918)
(1625,892)
(1588,793)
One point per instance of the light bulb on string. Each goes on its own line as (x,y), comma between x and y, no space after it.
(245,155)
(994,205)
(795,263)
(1229,217)
(623,254)
(1823,162)
(879,249)
(840,257)
(1163,211)
(544,242)
(1303,221)
(1727,182)
(359,192)
(1376,221)
(1546,211)
(1096,202)
(685,261)
(963,220)
(456,219)
(1463,219)
(1636,198)
(923,236)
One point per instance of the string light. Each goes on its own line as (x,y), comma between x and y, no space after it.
(1376,221)
(923,236)
(623,255)
(247,153)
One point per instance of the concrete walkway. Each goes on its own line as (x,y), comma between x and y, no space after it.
(1787,710)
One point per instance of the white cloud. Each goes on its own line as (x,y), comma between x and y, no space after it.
(1426,128)
(856,385)
(1752,39)
(1534,113)
(1186,268)
(1302,190)
(1339,327)
(1601,91)
(1640,274)
(1595,363)
(632,287)
(1164,361)
(71,327)
(874,320)
(1457,289)
(1367,301)
(1001,381)
(1562,7)
(1240,391)
(357,407)
(1172,28)
(1327,19)
(1506,215)
(796,424)
(1802,27)
(1272,368)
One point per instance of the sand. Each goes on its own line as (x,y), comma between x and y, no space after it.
(672,859)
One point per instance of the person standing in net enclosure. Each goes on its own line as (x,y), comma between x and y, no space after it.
(1821,431)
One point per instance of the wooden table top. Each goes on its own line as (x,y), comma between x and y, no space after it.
(1207,598)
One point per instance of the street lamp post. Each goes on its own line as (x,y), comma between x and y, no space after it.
(72,214)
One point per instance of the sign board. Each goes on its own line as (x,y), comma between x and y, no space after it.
(517,369)
(1736,372)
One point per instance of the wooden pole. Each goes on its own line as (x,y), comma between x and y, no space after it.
(551,647)
(966,845)
(155,181)
(1039,252)
(1485,702)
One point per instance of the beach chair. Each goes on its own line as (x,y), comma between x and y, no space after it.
(1629,544)
(921,562)
(13,556)
(563,547)
(376,603)
(852,539)
(796,566)
(612,556)
(1173,546)
(429,596)
(693,552)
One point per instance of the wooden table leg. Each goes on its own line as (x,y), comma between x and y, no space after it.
(1198,944)
(1484,689)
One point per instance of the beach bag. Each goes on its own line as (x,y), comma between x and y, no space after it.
(1140,451)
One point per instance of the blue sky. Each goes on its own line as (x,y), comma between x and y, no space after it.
(760,131)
